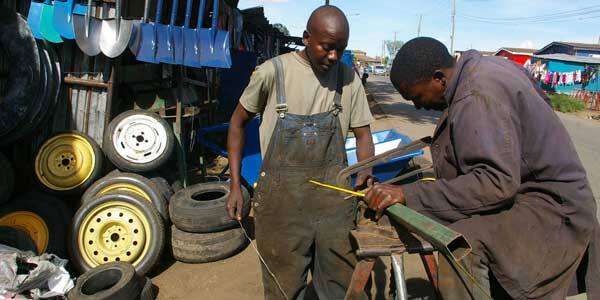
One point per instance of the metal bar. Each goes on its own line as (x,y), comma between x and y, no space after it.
(380,159)
(398,270)
(86,82)
(431,269)
(360,277)
(446,240)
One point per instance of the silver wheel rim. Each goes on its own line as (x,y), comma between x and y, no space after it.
(140,139)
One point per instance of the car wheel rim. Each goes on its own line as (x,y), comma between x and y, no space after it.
(30,223)
(124,187)
(65,162)
(114,231)
(140,139)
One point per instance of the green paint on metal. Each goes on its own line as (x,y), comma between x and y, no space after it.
(451,243)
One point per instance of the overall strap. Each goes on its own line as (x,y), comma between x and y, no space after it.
(281,107)
(337,99)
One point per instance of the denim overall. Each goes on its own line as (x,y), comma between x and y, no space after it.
(301,227)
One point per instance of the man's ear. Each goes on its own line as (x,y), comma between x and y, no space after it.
(305,38)
(440,76)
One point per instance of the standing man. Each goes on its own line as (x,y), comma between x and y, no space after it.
(308,102)
(509,178)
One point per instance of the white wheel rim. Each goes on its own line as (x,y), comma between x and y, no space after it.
(140,139)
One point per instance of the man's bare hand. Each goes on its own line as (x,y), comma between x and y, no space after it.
(235,202)
(364,180)
(381,196)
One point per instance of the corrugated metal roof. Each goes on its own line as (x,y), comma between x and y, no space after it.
(523,51)
(570,58)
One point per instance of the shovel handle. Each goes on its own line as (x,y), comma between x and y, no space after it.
(159,7)
(201,8)
(215,16)
(146,11)
(118,15)
(174,12)
(188,13)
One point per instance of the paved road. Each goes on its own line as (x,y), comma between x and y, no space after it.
(395,112)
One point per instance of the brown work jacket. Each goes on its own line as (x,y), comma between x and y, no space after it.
(509,178)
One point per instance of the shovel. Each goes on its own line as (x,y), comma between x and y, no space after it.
(215,46)
(134,43)
(47,27)
(148,38)
(34,19)
(63,18)
(115,34)
(191,40)
(87,32)
(170,37)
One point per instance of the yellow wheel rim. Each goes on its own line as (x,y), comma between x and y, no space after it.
(65,162)
(30,223)
(124,187)
(114,231)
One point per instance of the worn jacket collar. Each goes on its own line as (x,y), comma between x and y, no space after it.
(465,59)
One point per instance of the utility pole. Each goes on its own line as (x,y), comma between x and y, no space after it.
(419,27)
(453,24)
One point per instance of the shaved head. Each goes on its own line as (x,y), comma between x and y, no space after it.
(325,38)
(328,17)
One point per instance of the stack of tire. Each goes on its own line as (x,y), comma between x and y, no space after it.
(122,217)
(202,230)
(33,81)
(65,165)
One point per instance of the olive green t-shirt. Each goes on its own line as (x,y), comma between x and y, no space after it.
(306,92)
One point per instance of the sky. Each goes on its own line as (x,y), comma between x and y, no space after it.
(480,24)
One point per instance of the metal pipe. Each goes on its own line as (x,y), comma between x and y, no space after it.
(398,269)
(86,82)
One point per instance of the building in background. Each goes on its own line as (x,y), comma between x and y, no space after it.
(518,55)
(571,48)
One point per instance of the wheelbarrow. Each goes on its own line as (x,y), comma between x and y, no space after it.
(251,156)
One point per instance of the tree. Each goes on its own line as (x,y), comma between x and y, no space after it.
(393,46)
(282,29)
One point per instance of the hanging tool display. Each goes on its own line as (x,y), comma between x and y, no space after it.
(47,29)
(170,37)
(192,39)
(63,18)
(215,45)
(149,37)
(134,42)
(87,31)
(115,33)
(34,19)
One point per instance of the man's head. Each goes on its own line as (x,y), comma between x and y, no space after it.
(325,37)
(421,71)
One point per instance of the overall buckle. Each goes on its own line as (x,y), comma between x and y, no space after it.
(337,109)
(281,109)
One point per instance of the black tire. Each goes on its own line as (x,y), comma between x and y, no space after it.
(148,292)
(17,239)
(206,247)
(139,181)
(190,212)
(127,164)
(111,281)
(157,229)
(7,179)
(53,212)
(20,49)
(95,174)
(164,187)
